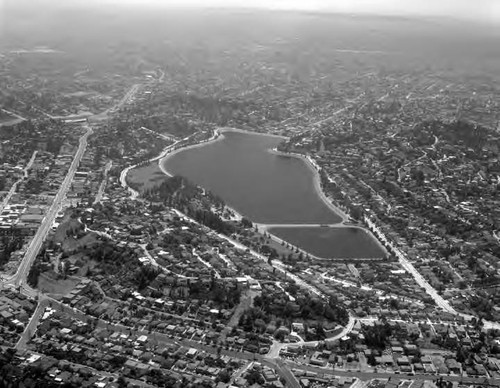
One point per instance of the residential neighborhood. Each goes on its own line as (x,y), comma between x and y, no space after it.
(116,272)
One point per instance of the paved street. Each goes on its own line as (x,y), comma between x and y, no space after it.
(32,325)
(384,375)
(36,243)
(13,188)
(102,186)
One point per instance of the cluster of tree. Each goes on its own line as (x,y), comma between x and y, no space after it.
(254,377)
(270,252)
(334,141)
(482,304)
(223,111)
(377,336)
(461,132)
(212,220)
(8,245)
(217,293)
(144,275)
(305,307)
(14,375)
(36,269)
(246,223)
(34,186)
(129,141)
(197,203)
(54,144)
(255,319)
(176,126)
(3,182)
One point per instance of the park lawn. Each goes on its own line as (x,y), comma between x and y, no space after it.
(146,177)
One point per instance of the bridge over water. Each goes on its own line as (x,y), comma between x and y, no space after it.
(265,227)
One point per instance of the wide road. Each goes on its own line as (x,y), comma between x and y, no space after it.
(128,97)
(440,301)
(13,114)
(386,375)
(36,243)
(285,372)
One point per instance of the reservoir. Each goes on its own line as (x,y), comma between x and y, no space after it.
(268,188)
(345,243)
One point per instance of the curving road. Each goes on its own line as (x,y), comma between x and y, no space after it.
(438,299)
(13,189)
(277,346)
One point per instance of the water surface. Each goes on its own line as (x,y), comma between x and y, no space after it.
(265,187)
(344,243)
(270,188)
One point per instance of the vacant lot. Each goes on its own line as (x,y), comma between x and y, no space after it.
(52,283)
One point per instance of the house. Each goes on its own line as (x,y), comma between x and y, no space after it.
(317,359)
(403,360)
(191,353)
(384,360)
(411,349)
(142,339)
(454,366)
(298,327)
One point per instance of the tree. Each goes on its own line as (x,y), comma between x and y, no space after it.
(246,223)
(121,382)
(357,213)
(254,377)
(224,376)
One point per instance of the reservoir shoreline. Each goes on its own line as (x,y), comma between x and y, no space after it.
(321,193)
(343,217)
(162,159)
(219,136)
(317,184)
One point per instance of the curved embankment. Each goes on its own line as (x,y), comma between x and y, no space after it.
(217,136)
(166,151)
(317,183)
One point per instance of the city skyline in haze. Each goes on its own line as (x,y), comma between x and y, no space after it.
(479,10)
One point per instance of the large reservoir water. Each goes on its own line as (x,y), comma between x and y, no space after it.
(268,188)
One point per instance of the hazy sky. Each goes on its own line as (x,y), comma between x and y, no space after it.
(466,9)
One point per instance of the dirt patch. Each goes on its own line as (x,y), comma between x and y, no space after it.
(67,226)
(70,234)
(72,244)
(52,283)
